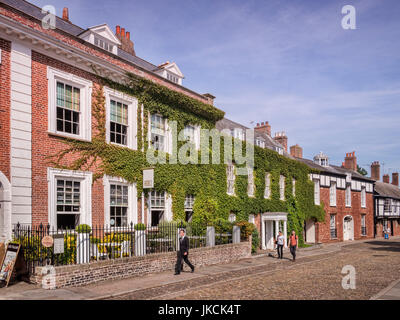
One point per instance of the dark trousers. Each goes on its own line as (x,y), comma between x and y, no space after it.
(179,262)
(293,251)
(279,248)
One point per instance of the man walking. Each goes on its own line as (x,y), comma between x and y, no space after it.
(182,253)
(293,242)
(280,241)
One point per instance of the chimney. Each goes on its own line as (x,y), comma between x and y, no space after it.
(376,171)
(350,161)
(263,128)
(210,98)
(282,139)
(125,38)
(296,151)
(386,178)
(395,179)
(65,15)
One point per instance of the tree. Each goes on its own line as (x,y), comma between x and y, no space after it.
(361,171)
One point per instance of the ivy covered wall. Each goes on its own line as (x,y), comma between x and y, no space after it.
(207,182)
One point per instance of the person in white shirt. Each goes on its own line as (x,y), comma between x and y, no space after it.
(280,241)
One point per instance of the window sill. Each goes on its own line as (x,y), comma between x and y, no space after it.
(68,136)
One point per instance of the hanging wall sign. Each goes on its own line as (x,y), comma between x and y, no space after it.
(148,178)
(8,262)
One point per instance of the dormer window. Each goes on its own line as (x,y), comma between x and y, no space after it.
(172,78)
(170,71)
(279,150)
(260,143)
(321,159)
(101,36)
(103,44)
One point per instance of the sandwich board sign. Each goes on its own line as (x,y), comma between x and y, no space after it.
(8,262)
(148,178)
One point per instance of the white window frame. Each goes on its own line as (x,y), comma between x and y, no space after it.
(317,192)
(85,197)
(282,188)
(293,187)
(260,143)
(348,195)
(196,135)
(132,214)
(332,194)
(267,191)
(238,133)
(85,119)
(363,197)
(232,217)
(250,182)
(230,175)
(132,104)
(252,219)
(167,133)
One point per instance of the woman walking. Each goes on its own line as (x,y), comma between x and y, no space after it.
(293,243)
(280,241)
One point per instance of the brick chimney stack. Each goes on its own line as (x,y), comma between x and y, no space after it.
(376,171)
(65,15)
(395,179)
(210,98)
(350,161)
(282,139)
(386,178)
(263,128)
(296,151)
(125,38)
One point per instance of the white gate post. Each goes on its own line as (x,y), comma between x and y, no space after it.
(236,234)
(140,242)
(210,237)
(82,248)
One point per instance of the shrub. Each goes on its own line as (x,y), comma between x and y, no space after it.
(246,229)
(255,241)
(140,227)
(222,225)
(83,228)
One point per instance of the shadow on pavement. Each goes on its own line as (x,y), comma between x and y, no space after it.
(393,246)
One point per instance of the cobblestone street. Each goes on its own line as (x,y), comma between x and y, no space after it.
(316,276)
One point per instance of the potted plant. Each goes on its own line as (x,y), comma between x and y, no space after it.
(83,243)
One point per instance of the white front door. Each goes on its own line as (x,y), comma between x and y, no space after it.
(348,233)
(269,234)
(310,231)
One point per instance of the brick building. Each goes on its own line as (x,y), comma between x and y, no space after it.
(47,80)
(386,202)
(347,197)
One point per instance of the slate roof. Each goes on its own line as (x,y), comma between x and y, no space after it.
(332,169)
(387,190)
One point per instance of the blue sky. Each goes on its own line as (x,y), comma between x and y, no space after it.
(287,62)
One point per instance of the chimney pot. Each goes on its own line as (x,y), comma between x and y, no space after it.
(375,171)
(386,178)
(128,35)
(118,30)
(123,32)
(296,151)
(395,179)
(65,15)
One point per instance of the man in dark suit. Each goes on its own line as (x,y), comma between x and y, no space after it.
(182,253)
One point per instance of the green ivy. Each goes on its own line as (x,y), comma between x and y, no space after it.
(208,183)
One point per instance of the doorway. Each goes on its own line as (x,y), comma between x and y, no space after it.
(348,228)
(309,231)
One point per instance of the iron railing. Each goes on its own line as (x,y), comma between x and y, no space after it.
(363,231)
(103,242)
(333,233)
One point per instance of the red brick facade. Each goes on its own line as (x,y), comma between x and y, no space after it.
(323,234)
(5,103)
